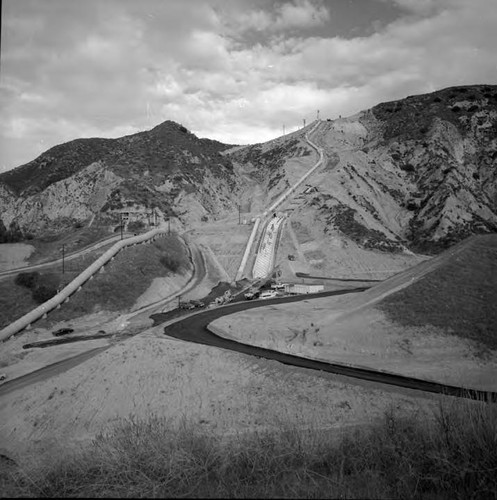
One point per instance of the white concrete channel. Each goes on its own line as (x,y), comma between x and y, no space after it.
(273,207)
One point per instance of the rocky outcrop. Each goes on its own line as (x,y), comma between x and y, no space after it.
(419,173)
(166,169)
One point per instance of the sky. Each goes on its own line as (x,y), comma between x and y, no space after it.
(233,70)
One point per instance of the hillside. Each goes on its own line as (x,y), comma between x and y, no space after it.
(434,321)
(417,173)
(167,168)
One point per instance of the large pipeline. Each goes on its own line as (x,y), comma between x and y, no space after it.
(42,310)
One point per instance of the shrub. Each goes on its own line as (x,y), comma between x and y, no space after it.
(455,109)
(28,280)
(476,176)
(43,293)
(473,108)
(136,226)
(407,167)
(170,262)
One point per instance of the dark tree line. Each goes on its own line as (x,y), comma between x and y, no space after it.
(11,235)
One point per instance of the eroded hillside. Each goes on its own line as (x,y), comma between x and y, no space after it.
(418,173)
(415,174)
(167,169)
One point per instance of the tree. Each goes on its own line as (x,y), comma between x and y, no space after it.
(43,293)
(28,280)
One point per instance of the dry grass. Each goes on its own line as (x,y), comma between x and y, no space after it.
(453,455)
(50,246)
(459,297)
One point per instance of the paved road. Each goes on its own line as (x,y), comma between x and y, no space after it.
(199,272)
(48,371)
(194,329)
(306,275)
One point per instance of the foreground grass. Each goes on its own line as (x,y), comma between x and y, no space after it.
(458,297)
(451,456)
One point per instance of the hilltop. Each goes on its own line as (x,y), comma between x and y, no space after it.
(416,173)
(167,168)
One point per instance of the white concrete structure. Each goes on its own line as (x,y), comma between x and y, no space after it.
(247,249)
(265,257)
(303,289)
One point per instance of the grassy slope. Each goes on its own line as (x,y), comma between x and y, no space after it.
(460,296)
(50,246)
(451,456)
(123,281)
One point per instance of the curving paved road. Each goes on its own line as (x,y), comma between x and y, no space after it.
(194,329)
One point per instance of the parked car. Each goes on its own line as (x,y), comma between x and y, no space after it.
(197,303)
(62,331)
(268,294)
(2,377)
(278,286)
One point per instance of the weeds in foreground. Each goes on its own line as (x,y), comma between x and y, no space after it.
(453,455)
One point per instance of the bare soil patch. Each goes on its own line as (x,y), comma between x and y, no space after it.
(13,255)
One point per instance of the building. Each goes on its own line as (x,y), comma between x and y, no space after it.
(299,288)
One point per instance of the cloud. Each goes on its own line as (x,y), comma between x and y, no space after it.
(289,14)
(231,70)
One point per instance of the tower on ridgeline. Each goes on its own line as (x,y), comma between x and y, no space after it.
(317,116)
(304,122)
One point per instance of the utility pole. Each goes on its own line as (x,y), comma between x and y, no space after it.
(304,122)
(169,226)
(239,209)
(317,116)
(121,214)
(63,257)
(179,301)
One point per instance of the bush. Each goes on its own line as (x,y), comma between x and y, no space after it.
(170,262)
(28,280)
(43,293)
(136,226)
(407,167)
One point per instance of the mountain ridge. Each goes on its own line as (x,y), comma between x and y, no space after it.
(417,173)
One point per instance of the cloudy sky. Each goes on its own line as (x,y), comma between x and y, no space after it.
(231,70)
